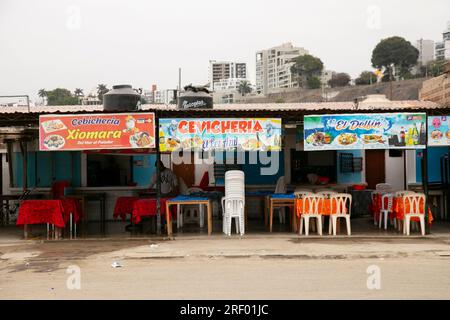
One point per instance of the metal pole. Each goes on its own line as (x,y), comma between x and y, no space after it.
(405,184)
(158,176)
(425,180)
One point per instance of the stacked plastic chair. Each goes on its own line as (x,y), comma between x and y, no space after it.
(233,203)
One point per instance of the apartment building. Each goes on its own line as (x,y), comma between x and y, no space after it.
(426,51)
(220,70)
(273,68)
(442,48)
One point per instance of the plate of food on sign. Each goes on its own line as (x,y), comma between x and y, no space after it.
(54,142)
(372,138)
(319,138)
(346,139)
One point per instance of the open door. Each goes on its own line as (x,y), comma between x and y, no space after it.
(375,167)
(186,171)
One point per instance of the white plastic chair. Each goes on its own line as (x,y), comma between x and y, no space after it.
(386,208)
(341,206)
(190,212)
(311,203)
(233,203)
(281,188)
(326,192)
(412,205)
(234,208)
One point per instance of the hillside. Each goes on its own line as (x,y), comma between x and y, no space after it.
(402,90)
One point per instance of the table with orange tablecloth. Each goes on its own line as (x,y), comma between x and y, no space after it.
(324,206)
(399,210)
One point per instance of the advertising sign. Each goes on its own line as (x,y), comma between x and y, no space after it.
(97,131)
(438,131)
(250,134)
(365,131)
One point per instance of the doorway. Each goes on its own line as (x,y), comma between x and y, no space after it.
(375,167)
(186,171)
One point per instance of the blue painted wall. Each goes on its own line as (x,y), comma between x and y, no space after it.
(354,177)
(253,171)
(41,174)
(434,164)
(142,174)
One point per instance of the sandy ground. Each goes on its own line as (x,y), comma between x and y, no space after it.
(256,267)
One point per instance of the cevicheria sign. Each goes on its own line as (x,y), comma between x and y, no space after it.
(97,131)
(365,131)
(250,134)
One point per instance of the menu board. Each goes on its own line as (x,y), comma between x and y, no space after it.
(438,131)
(249,134)
(97,131)
(365,131)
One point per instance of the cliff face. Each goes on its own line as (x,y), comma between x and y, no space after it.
(401,90)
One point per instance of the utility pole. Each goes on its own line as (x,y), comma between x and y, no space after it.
(390,81)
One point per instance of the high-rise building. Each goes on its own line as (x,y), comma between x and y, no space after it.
(273,68)
(220,70)
(426,51)
(442,48)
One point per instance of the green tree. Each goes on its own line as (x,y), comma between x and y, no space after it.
(61,97)
(244,87)
(395,51)
(366,77)
(101,90)
(340,79)
(314,83)
(433,68)
(305,69)
(42,94)
(78,92)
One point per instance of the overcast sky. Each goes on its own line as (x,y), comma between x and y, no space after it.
(80,43)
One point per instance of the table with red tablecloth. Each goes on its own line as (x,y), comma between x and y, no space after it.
(71,206)
(147,207)
(55,212)
(41,211)
(124,206)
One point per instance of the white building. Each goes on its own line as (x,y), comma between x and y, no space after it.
(426,51)
(228,84)
(220,70)
(273,68)
(442,48)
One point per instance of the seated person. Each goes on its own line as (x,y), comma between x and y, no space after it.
(169,181)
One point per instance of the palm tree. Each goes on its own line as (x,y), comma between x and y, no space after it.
(244,87)
(42,94)
(101,90)
(78,92)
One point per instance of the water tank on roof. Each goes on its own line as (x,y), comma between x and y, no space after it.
(121,98)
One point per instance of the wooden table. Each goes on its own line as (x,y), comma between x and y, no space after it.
(176,202)
(280,203)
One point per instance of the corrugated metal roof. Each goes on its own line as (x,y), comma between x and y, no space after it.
(313,106)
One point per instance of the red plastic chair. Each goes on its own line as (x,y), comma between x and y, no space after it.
(58,188)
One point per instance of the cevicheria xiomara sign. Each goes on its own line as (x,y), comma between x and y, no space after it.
(97,131)
(365,131)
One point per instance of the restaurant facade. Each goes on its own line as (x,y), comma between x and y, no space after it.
(288,135)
